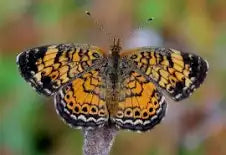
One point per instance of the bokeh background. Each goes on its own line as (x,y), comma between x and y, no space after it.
(29,124)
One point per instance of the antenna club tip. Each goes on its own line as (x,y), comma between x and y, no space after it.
(88,13)
(150,19)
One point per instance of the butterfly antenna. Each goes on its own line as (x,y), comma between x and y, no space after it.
(100,26)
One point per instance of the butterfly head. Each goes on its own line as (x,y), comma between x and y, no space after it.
(115,48)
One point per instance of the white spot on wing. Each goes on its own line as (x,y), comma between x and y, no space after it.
(162,100)
(128,121)
(91,119)
(138,122)
(154,117)
(47,91)
(74,117)
(17,58)
(159,110)
(178,96)
(146,122)
(66,111)
(82,117)
(207,64)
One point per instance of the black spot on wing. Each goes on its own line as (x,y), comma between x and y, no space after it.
(198,72)
(26,61)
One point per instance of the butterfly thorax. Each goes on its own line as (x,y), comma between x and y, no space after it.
(113,75)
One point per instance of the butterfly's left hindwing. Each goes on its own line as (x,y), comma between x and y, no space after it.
(82,103)
(47,68)
(178,73)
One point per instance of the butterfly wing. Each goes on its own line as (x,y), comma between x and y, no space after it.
(47,68)
(178,73)
(141,106)
(81,103)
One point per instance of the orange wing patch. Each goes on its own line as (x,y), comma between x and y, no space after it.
(82,102)
(141,105)
(176,72)
(47,68)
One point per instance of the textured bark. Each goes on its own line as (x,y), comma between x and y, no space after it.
(98,141)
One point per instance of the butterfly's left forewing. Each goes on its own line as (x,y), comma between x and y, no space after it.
(47,68)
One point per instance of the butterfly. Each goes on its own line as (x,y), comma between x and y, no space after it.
(124,89)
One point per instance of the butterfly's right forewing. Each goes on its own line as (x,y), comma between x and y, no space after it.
(176,72)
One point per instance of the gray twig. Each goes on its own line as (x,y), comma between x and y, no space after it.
(98,141)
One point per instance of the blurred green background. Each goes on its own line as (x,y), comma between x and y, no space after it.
(29,124)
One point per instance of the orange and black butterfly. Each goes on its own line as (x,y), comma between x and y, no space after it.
(123,89)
